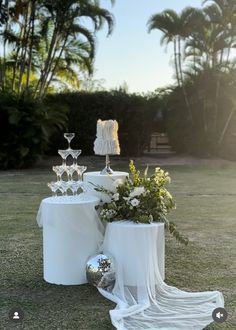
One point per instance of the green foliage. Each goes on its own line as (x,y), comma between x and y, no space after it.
(141,199)
(49,39)
(25,129)
(135,114)
(3,13)
(212,132)
(200,113)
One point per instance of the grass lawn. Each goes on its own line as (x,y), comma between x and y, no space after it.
(206,213)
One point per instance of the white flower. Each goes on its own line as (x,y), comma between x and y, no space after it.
(127,199)
(108,214)
(116,196)
(135,202)
(117,183)
(137,191)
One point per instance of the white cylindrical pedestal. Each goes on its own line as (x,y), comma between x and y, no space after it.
(72,232)
(136,248)
(104,180)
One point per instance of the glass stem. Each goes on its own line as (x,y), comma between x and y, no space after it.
(107,161)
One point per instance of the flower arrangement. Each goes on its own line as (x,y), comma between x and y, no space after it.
(142,199)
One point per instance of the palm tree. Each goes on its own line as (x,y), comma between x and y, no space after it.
(75,55)
(176,28)
(42,33)
(66,26)
(168,22)
(215,40)
(223,14)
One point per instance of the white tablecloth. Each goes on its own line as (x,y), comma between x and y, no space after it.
(72,232)
(143,300)
(132,255)
(105,180)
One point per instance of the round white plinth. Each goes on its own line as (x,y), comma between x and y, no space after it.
(104,180)
(136,248)
(72,232)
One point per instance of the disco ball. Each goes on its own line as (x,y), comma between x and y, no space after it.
(100,271)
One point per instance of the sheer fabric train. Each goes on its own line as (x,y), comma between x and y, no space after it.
(147,302)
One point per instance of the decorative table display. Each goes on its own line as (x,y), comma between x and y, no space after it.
(127,266)
(72,232)
(107,142)
(144,301)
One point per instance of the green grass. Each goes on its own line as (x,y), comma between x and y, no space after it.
(206,213)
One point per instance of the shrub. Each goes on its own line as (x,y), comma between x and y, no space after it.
(25,129)
(211,132)
(134,113)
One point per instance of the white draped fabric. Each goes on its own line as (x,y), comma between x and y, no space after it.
(72,232)
(107,181)
(144,300)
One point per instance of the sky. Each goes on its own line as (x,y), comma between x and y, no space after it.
(131,55)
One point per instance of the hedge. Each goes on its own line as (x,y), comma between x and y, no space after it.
(135,114)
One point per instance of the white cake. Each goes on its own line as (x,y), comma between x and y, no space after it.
(107,142)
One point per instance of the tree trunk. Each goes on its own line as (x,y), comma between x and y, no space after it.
(226,124)
(24,49)
(182,82)
(204,116)
(50,66)
(16,60)
(47,62)
(32,21)
(44,91)
(3,74)
(176,63)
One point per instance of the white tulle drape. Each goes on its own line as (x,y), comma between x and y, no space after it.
(147,302)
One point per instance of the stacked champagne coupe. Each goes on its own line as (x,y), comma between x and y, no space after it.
(72,174)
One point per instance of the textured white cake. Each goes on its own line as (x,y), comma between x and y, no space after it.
(107,142)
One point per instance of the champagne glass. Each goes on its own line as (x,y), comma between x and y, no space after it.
(64,154)
(80,170)
(69,137)
(70,170)
(63,186)
(59,170)
(74,186)
(54,187)
(75,154)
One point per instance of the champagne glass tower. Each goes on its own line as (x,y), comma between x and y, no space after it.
(70,184)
